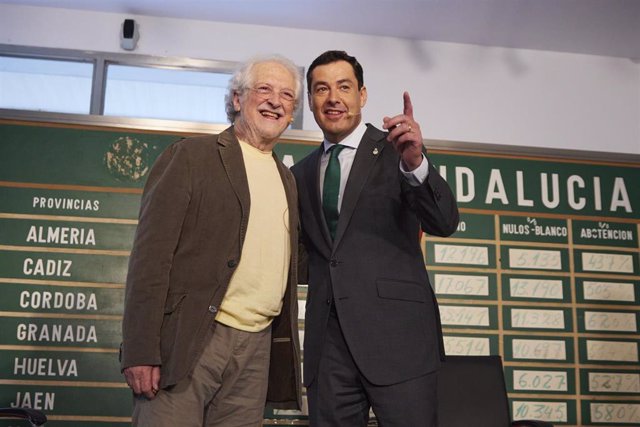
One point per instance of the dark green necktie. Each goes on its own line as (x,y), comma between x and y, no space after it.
(331,189)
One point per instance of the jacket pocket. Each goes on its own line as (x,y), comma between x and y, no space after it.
(404,291)
(173,302)
(170,320)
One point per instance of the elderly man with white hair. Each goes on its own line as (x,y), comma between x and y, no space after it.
(210,320)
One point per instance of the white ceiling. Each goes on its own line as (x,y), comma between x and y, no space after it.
(599,27)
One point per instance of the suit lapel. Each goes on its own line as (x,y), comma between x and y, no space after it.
(369,150)
(288,182)
(292,197)
(231,156)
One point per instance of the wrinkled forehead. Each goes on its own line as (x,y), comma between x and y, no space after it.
(272,73)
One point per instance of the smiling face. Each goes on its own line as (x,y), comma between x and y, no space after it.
(335,100)
(266,106)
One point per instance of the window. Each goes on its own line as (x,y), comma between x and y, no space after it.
(45,85)
(165,93)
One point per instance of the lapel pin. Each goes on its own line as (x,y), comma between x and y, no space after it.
(375,151)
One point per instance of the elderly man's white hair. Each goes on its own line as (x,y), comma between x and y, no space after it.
(242,79)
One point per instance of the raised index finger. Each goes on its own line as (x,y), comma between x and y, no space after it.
(408,107)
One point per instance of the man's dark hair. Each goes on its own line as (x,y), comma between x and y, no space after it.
(334,56)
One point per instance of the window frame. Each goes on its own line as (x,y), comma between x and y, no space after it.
(101,61)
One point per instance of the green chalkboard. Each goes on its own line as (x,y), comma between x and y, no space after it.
(544,269)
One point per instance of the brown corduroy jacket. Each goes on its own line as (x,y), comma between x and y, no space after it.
(193,220)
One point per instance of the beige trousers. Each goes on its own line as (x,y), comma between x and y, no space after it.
(228,387)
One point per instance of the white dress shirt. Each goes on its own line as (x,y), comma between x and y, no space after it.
(346,156)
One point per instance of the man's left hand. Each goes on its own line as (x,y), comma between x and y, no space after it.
(405,135)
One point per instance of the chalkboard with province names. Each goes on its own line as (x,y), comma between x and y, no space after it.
(544,270)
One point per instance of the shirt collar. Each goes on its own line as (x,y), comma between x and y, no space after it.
(352,140)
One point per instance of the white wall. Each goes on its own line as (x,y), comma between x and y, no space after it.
(460,92)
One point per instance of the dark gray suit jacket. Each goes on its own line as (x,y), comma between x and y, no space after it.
(374,270)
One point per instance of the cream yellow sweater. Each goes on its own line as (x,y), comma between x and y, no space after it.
(256,289)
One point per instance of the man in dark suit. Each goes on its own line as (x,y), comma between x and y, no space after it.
(372,331)
(210,318)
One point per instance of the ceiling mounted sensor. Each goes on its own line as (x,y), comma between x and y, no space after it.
(129,34)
